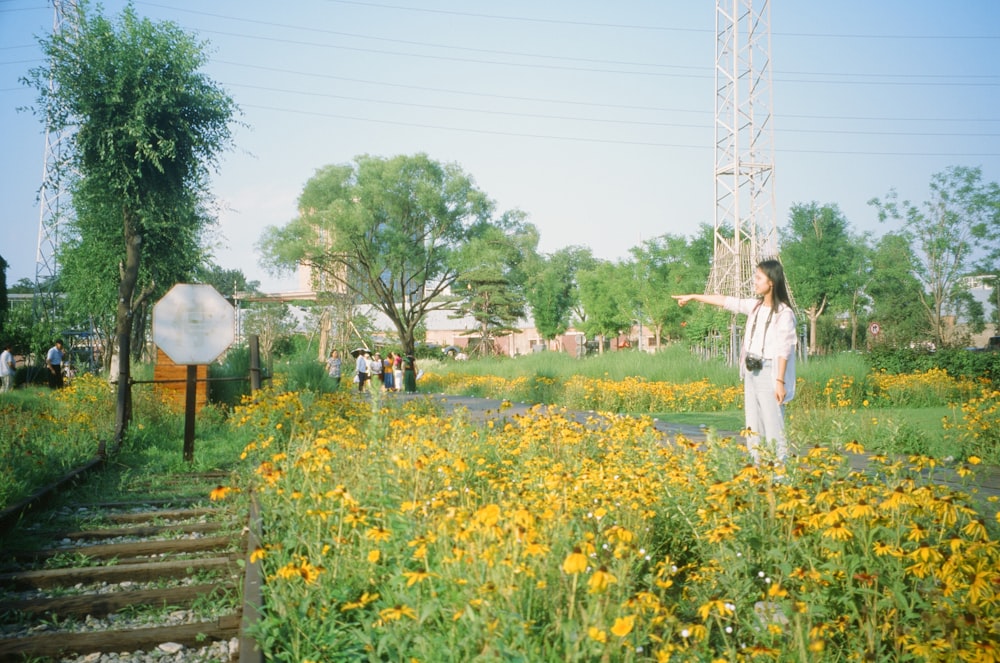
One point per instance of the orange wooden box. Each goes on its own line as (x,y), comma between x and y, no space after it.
(175,392)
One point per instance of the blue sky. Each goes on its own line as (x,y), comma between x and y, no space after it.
(595,118)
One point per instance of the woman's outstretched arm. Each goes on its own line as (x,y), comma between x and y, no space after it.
(714,300)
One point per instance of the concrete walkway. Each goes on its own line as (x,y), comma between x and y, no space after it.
(984,484)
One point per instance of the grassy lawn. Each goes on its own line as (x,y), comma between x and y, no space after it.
(892,430)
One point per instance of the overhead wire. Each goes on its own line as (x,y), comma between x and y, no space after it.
(908,79)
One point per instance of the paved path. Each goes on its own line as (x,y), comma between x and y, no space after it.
(986,482)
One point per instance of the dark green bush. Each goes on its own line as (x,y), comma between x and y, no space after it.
(229,392)
(958,362)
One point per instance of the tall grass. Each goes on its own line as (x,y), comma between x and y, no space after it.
(673,364)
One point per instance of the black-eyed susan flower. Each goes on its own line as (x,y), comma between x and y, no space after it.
(623,626)
(575,562)
(397,612)
(600,580)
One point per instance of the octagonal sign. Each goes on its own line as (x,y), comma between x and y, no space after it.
(193,324)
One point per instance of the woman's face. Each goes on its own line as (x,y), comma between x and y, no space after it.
(761,284)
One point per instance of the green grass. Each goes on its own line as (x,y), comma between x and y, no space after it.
(731,420)
(673,364)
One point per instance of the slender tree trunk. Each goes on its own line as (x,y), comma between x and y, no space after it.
(123,328)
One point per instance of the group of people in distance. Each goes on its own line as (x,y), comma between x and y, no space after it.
(392,373)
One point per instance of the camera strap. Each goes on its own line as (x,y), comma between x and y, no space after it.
(753,329)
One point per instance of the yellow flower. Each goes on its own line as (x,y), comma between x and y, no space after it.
(597,634)
(601,580)
(397,612)
(220,493)
(838,532)
(721,608)
(374,556)
(378,534)
(365,599)
(257,554)
(623,625)
(413,577)
(575,562)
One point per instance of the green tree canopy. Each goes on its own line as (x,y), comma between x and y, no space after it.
(664,266)
(387,230)
(961,215)
(553,290)
(601,295)
(818,255)
(896,293)
(490,287)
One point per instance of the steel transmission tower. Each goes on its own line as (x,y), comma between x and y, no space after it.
(745,219)
(52,198)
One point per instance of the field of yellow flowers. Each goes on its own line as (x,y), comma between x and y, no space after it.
(44,434)
(397,532)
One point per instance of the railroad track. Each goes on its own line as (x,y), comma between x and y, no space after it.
(157,577)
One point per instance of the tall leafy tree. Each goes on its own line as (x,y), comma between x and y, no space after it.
(147,126)
(490,288)
(896,293)
(601,290)
(817,252)
(387,230)
(227,281)
(553,291)
(663,266)
(961,215)
(859,277)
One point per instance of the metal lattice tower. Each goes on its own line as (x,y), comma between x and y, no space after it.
(744,146)
(52,198)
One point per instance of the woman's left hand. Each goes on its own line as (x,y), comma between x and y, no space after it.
(780,392)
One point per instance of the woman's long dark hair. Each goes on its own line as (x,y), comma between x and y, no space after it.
(776,274)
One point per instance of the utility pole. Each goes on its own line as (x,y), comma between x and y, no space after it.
(746,229)
(52,198)
(744,146)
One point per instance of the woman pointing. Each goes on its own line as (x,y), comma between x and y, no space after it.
(767,358)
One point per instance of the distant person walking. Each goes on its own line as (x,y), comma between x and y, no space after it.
(361,366)
(410,374)
(767,359)
(7,369)
(54,362)
(333,364)
(397,371)
(375,368)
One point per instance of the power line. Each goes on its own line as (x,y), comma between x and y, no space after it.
(579,139)
(676,125)
(707,71)
(656,28)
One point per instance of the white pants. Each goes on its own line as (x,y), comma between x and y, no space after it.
(765,417)
(7,383)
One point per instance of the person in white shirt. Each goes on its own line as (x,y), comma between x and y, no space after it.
(767,359)
(54,362)
(7,369)
(361,366)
